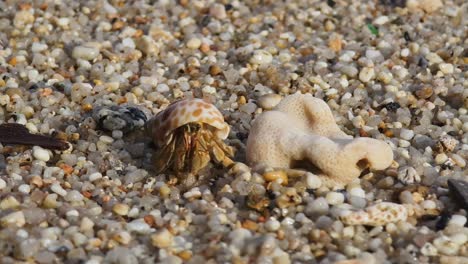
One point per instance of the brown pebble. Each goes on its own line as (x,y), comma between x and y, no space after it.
(118,25)
(204,47)
(149,219)
(14,91)
(215,70)
(185,255)
(276,175)
(306,51)
(424,93)
(250,225)
(67,169)
(36,180)
(335,43)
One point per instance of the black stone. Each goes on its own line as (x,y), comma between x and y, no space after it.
(459,192)
(407,36)
(442,221)
(392,106)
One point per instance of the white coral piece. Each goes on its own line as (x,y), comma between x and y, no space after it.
(302,129)
(376,215)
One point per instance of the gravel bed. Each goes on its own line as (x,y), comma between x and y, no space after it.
(390,70)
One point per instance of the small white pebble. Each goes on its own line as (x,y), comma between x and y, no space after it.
(272,224)
(366,74)
(404,143)
(15,218)
(117,134)
(441,158)
(72,213)
(41,154)
(313,181)
(406,134)
(38,47)
(358,192)
(120,209)
(56,188)
(85,52)
(24,188)
(129,43)
(428,249)
(428,204)
(446,68)
(405,52)
(334,198)
(459,238)
(106,139)
(94,176)
(461,162)
(162,88)
(21,233)
(194,43)
(261,57)
(162,239)
(381,20)
(348,231)
(459,220)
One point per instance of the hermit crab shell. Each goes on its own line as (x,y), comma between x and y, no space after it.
(183,112)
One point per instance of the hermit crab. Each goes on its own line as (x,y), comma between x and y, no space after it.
(189,134)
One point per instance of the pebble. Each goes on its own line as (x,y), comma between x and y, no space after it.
(85,52)
(318,206)
(56,188)
(278,176)
(269,101)
(162,239)
(406,134)
(461,162)
(261,57)
(218,11)
(41,154)
(147,45)
(446,68)
(38,47)
(139,226)
(335,198)
(272,225)
(9,202)
(50,201)
(441,158)
(74,196)
(94,176)
(15,218)
(366,74)
(86,224)
(358,192)
(444,245)
(429,250)
(123,237)
(194,43)
(120,209)
(459,220)
(313,181)
(24,188)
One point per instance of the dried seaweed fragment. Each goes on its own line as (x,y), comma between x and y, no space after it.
(13,133)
